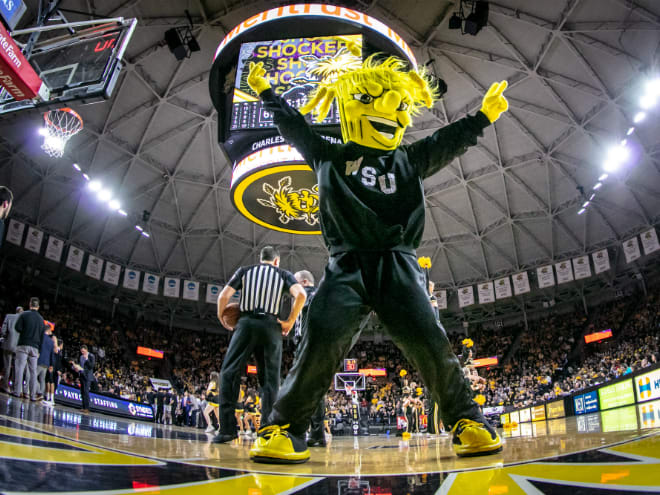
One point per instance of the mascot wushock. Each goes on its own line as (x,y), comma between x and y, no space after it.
(372,217)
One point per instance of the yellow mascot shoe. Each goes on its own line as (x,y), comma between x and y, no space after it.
(472,438)
(275,445)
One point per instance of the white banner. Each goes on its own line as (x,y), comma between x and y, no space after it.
(649,241)
(631,249)
(545,276)
(601,261)
(581,267)
(520,283)
(564,272)
(502,288)
(111,275)
(441,296)
(150,283)
(131,279)
(15,232)
(191,290)
(465,296)
(75,258)
(486,293)
(54,249)
(33,240)
(171,287)
(159,383)
(212,293)
(94,267)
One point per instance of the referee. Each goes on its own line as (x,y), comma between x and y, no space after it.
(258,330)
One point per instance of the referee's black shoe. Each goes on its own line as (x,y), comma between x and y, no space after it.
(275,445)
(223,438)
(316,442)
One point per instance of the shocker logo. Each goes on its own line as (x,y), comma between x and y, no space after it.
(292,204)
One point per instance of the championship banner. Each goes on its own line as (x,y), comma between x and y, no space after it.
(94,267)
(465,296)
(54,249)
(171,287)
(441,297)
(15,232)
(158,383)
(502,288)
(213,291)
(33,240)
(631,249)
(191,290)
(75,258)
(486,293)
(649,241)
(131,279)
(545,276)
(601,261)
(520,283)
(150,283)
(111,275)
(564,272)
(581,267)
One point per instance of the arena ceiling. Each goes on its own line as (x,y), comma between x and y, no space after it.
(575,70)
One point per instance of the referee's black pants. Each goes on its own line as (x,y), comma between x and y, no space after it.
(392,284)
(263,336)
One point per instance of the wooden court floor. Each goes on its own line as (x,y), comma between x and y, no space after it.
(58,450)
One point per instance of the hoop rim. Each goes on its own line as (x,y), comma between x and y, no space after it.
(67,110)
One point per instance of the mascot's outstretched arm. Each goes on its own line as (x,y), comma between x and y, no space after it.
(494,103)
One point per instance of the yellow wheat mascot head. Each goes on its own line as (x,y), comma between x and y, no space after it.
(376,102)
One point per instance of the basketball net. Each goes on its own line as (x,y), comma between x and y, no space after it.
(349,390)
(60,126)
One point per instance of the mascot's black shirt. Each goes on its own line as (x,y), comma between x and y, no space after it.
(372,199)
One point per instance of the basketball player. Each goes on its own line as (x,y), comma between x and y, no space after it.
(372,219)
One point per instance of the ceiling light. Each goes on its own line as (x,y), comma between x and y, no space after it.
(123,213)
(639,117)
(139,228)
(95,185)
(76,166)
(582,211)
(104,194)
(145,234)
(603,177)
(114,205)
(598,186)
(630,131)
(86,176)
(592,197)
(455,21)
(610,166)
(648,101)
(585,204)
(618,153)
(653,87)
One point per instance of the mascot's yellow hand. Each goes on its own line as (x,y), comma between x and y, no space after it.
(494,104)
(256,80)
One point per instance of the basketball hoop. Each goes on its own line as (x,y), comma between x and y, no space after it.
(60,126)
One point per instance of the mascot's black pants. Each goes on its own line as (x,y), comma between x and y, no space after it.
(392,284)
(263,336)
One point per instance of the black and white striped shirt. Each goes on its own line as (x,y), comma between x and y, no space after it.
(261,287)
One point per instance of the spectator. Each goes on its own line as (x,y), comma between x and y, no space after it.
(9,343)
(30,325)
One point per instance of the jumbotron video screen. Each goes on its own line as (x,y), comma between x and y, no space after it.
(294,68)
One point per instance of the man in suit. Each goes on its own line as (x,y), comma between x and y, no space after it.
(86,370)
(9,343)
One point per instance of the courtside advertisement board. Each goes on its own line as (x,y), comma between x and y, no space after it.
(70,396)
(586,403)
(555,409)
(538,413)
(616,395)
(525,415)
(647,386)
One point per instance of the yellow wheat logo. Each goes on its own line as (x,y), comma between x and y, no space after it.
(292,204)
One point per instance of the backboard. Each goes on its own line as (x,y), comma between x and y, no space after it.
(76,61)
(354,380)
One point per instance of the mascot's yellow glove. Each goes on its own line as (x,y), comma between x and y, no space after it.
(494,104)
(256,80)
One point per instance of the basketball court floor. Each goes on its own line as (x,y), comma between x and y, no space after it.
(58,450)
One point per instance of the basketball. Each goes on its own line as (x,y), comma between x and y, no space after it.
(231,314)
